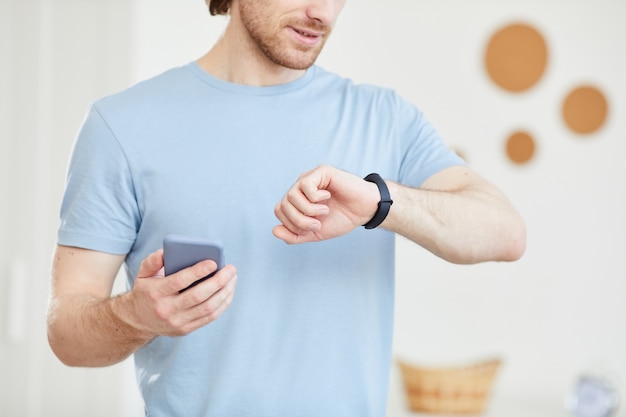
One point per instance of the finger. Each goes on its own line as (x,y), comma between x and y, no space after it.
(152,265)
(287,236)
(297,199)
(313,189)
(211,309)
(209,306)
(294,220)
(205,290)
(185,277)
(284,234)
(206,319)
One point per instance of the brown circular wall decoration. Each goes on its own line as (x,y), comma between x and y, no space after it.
(516,57)
(520,147)
(585,109)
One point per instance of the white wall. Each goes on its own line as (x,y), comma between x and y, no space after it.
(55,58)
(551,315)
(557,312)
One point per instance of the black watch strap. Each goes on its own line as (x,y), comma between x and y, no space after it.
(385,201)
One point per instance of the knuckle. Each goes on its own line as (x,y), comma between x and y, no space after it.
(309,210)
(292,195)
(215,314)
(179,327)
(142,265)
(181,331)
(301,224)
(231,270)
(223,281)
(221,278)
(196,297)
(229,299)
(286,203)
(205,268)
(209,311)
(162,313)
(178,280)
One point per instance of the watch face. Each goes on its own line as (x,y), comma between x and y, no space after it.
(593,397)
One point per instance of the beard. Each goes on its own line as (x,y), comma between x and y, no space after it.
(265,33)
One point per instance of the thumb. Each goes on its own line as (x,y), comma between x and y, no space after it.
(152,266)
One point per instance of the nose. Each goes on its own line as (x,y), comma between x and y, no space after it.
(324,11)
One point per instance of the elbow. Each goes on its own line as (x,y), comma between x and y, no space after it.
(515,250)
(507,245)
(64,352)
(61,355)
(59,346)
(518,246)
(56,340)
(515,245)
(56,345)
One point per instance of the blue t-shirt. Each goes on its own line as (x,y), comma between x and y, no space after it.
(309,332)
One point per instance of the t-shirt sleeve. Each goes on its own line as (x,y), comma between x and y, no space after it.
(99,209)
(425,152)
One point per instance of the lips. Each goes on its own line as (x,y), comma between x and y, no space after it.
(307,33)
(306,36)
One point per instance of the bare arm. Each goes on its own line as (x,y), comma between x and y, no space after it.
(458,216)
(88,327)
(455,214)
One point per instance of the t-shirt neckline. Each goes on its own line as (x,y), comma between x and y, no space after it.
(251,90)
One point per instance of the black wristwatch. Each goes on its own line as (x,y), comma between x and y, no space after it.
(383,205)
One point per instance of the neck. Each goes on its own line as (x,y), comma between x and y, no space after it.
(235,58)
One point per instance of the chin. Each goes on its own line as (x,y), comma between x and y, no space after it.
(295,59)
(297,63)
(299,66)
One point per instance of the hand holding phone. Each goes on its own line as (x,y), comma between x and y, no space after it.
(180,252)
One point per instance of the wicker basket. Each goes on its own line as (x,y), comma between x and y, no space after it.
(453,390)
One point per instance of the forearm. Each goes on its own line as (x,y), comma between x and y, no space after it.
(465,226)
(85,330)
(86,327)
(455,213)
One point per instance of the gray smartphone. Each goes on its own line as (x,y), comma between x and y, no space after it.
(180,252)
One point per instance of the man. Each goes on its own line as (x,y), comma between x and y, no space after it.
(209,149)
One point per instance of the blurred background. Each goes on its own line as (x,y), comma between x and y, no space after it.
(555,315)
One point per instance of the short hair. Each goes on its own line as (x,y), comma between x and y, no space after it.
(218,6)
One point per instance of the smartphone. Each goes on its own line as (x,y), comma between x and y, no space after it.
(180,252)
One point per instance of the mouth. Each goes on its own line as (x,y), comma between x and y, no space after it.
(307,33)
(307,36)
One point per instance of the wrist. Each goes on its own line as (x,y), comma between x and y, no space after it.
(121,308)
(384,204)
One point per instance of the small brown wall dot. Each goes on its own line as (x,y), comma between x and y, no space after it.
(585,109)
(516,57)
(520,147)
